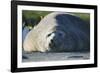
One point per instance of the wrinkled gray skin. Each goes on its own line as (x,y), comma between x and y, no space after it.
(70,33)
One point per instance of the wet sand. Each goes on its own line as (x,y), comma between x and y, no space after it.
(49,56)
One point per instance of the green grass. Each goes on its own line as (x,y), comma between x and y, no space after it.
(83,16)
(34,14)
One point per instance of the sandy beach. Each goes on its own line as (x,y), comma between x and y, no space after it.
(38,56)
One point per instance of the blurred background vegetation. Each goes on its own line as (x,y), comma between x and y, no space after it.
(31,18)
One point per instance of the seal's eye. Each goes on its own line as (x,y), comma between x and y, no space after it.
(49,35)
(60,33)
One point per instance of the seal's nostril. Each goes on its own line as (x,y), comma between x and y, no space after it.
(52,41)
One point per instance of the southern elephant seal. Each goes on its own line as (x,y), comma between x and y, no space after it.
(58,32)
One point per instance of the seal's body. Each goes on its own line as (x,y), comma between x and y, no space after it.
(58,32)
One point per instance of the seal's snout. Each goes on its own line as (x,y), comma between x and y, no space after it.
(52,41)
(51,44)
